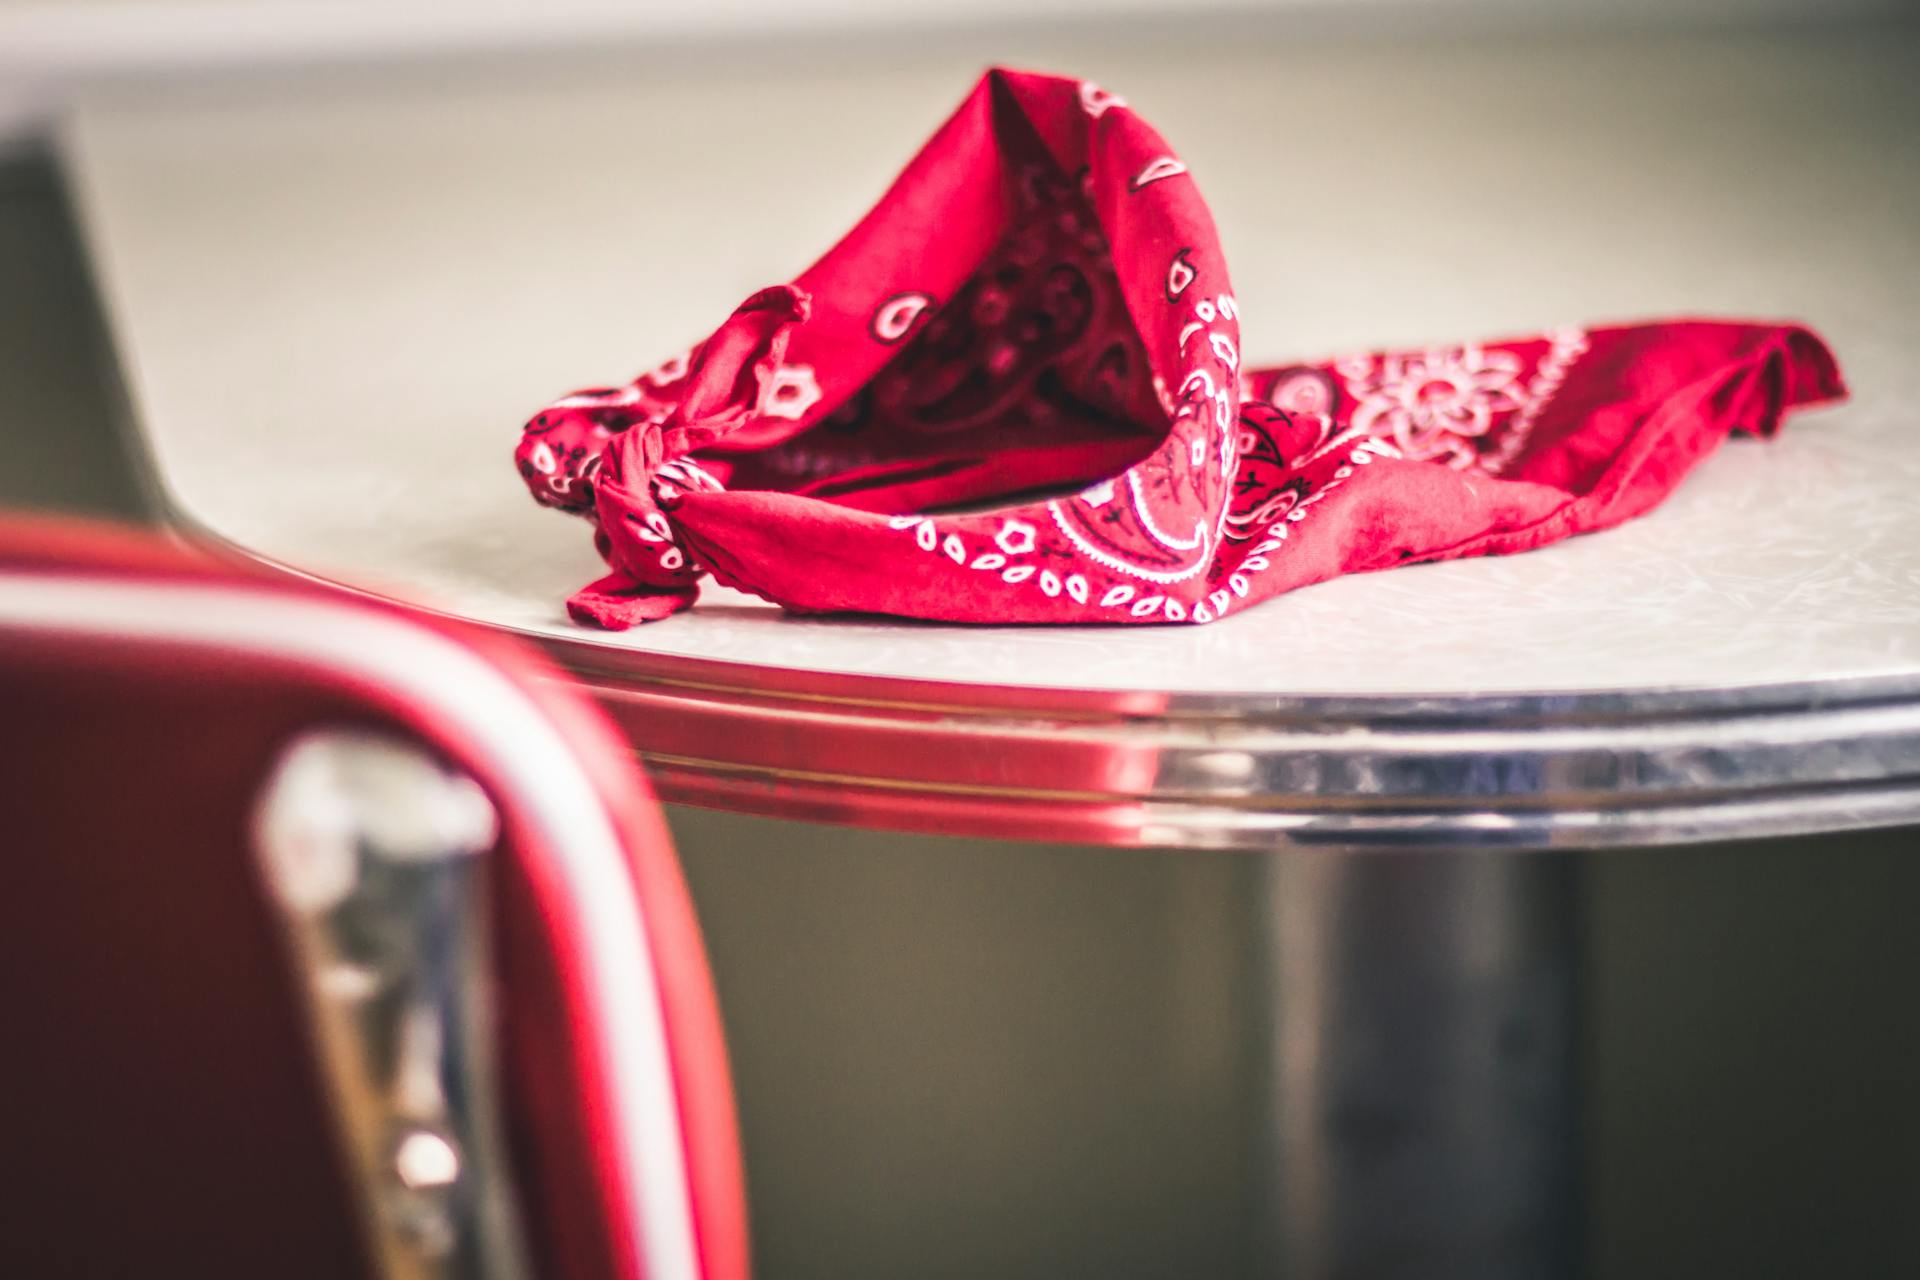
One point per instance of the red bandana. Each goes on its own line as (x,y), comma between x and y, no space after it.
(1013,393)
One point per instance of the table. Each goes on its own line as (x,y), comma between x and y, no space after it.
(333,297)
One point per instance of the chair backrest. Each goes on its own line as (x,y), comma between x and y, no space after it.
(256,838)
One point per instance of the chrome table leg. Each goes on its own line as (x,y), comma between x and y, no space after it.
(1423,1062)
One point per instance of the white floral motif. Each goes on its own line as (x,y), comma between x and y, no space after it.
(1019,538)
(790,392)
(1435,404)
(1015,537)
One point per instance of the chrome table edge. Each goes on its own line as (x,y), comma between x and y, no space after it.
(1599,769)
(1388,773)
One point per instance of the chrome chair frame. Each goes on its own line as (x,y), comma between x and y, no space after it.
(373,852)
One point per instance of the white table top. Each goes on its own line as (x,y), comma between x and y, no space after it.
(335,300)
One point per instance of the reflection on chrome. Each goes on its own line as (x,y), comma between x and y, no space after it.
(370,851)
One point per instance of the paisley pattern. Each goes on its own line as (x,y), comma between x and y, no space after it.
(1440,404)
(1034,351)
(894,319)
(1016,392)
(1157,170)
(1180,274)
(1275,449)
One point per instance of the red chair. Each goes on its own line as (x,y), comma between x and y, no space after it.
(334,941)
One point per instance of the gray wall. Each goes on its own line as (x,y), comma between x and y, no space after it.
(964,1058)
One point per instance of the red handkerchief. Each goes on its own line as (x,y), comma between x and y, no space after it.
(1014,393)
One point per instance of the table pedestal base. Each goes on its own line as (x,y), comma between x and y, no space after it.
(1424,1111)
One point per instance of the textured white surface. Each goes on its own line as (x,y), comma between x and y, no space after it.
(337,299)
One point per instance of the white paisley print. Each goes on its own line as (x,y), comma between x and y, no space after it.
(1436,404)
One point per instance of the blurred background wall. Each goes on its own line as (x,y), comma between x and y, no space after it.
(47,47)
